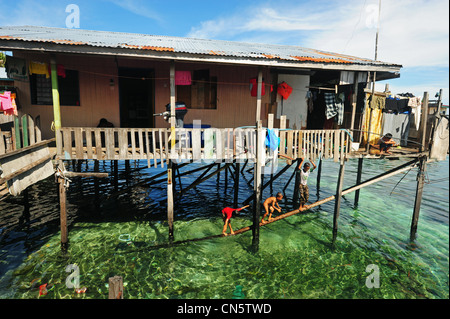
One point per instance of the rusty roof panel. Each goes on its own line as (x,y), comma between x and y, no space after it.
(179,45)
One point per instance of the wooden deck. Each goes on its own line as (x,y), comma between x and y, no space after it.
(222,145)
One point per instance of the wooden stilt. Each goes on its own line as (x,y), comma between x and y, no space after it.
(319,174)
(258,191)
(337,202)
(115,287)
(418,199)
(358,180)
(63,212)
(296,186)
(170,205)
(236,184)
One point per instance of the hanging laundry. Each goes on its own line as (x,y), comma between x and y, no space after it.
(376,101)
(38,68)
(183,78)
(272,140)
(284,90)
(254,87)
(334,105)
(5,101)
(391,104)
(415,101)
(60,70)
(16,68)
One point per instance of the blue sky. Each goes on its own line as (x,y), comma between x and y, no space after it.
(413,33)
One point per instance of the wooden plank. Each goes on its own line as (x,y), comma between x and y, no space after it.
(123,144)
(78,143)
(155,162)
(2,143)
(17,140)
(147,145)
(37,124)
(141,144)
(26,167)
(219,145)
(31,133)
(110,145)
(25,142)
(59,142)
(290,136)
(89,151)
(161,148)
(133,143)
(67,138)
(208,137)
(196,144)
(166,148)
(98,144)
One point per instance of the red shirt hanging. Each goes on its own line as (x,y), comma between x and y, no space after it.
(284,90)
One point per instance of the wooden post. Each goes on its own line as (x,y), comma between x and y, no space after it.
(370,112)
(418,199)
(423,122)
(55,95)
(115,287)
(236,184)
(18,143)
(63,212)
(319,174)
(354,100)
(258,97)
(170,203)
(257,189)
(358,179)
(337,202)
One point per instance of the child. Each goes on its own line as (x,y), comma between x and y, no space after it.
(227,213)
(303,187)
(270,204)
(386,142)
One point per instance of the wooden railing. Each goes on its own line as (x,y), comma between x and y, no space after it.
(225,144)
(25,131)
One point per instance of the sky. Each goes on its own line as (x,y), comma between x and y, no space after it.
(413,33)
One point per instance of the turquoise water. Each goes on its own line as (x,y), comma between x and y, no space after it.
(296,258)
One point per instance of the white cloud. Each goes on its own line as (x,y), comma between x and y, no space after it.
(138,7)
(28,12)
(412,33)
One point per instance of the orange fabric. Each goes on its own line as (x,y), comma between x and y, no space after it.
(284,90)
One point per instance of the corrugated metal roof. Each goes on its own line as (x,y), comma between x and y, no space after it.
(177,45)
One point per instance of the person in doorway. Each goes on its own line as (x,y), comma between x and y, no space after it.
(227,213)
(270,205)
(303,187)
(385,143)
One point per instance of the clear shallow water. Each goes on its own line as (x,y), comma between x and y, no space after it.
(295,260)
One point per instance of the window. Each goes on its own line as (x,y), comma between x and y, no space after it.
(201,94)
(68,87)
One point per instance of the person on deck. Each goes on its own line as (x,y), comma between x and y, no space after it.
(303,187)
(270,204)
(385,143)
(227,213)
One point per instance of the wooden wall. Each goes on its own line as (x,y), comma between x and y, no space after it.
(98,99)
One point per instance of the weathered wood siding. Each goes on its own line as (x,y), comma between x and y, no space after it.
(235,106)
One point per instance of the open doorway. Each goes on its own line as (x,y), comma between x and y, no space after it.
(136,91)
